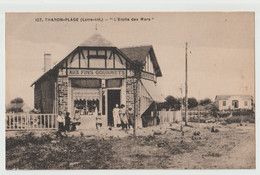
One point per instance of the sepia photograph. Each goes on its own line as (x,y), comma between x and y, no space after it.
(130,90)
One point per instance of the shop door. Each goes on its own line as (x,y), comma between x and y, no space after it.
(113,99)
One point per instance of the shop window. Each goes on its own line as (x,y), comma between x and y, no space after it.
(87,106)
(245,103)
(224,103)
(113,83)
(86,83)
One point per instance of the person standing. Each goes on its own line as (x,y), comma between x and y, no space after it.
(116,118)
(75,121)
(67,122)
(123,117)
(61,123)
(130,115)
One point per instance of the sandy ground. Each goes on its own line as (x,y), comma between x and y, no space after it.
(157,147)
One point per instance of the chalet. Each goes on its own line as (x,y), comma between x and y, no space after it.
(95,77)
(231,102)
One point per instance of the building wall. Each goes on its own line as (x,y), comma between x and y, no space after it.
(130,92)
(37,96)
(44,95)
(229,103)
(62,93)
(130,98)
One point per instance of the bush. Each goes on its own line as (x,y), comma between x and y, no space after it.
(239,119)
(26,139)
(197,120)
(17,100)
(205,101)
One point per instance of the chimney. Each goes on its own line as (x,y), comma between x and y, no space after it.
(47,62)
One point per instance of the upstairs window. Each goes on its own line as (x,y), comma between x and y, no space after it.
(113,83)
(86,83)
(224,103)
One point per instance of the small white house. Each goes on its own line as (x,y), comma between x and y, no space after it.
(224,102)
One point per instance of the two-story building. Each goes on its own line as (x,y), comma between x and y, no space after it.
(95,77)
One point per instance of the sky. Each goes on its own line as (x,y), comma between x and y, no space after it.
(220,48)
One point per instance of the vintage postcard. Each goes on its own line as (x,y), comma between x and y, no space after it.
(139,90)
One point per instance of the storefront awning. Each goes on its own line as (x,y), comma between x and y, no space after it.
(83,94)
(153,91)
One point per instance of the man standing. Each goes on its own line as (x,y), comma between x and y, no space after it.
(61,123)
(67,122)
(130,117)
(116,117)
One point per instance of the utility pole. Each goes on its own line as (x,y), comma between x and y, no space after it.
(181,89)
(135,92)
(186,84)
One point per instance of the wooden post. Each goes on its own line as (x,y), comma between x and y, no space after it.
(135,90)
(41,122)
(181,108)
(48,120)
(186,85)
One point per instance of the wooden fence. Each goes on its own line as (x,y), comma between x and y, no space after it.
(169,116)
(176,116)
(30,121)
(195,114)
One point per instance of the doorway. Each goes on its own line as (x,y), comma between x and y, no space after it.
(113,98)
(235,103)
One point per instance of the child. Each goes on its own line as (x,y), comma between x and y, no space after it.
(61,123)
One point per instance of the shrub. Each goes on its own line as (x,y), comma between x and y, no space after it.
(197,120)
(26,139)
(239,119)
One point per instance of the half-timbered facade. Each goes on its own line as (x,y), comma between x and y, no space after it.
(95,77)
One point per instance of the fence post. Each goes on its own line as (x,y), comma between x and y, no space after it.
(53,121)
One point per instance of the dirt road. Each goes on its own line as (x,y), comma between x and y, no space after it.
(243,155)
(158,147)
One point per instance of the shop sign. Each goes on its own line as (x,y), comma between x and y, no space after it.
(97,73)
(144,75)
(148,76)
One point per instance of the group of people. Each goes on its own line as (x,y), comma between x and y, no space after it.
(65,124)
(123,117)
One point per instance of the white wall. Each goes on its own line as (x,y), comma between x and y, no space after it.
(229,103)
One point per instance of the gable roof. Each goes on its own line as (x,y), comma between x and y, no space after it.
(222,97)
(140,53)
(226,97)
(130,53)
(136,53)
(96,40)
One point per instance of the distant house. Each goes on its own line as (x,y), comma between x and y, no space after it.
(224,102)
